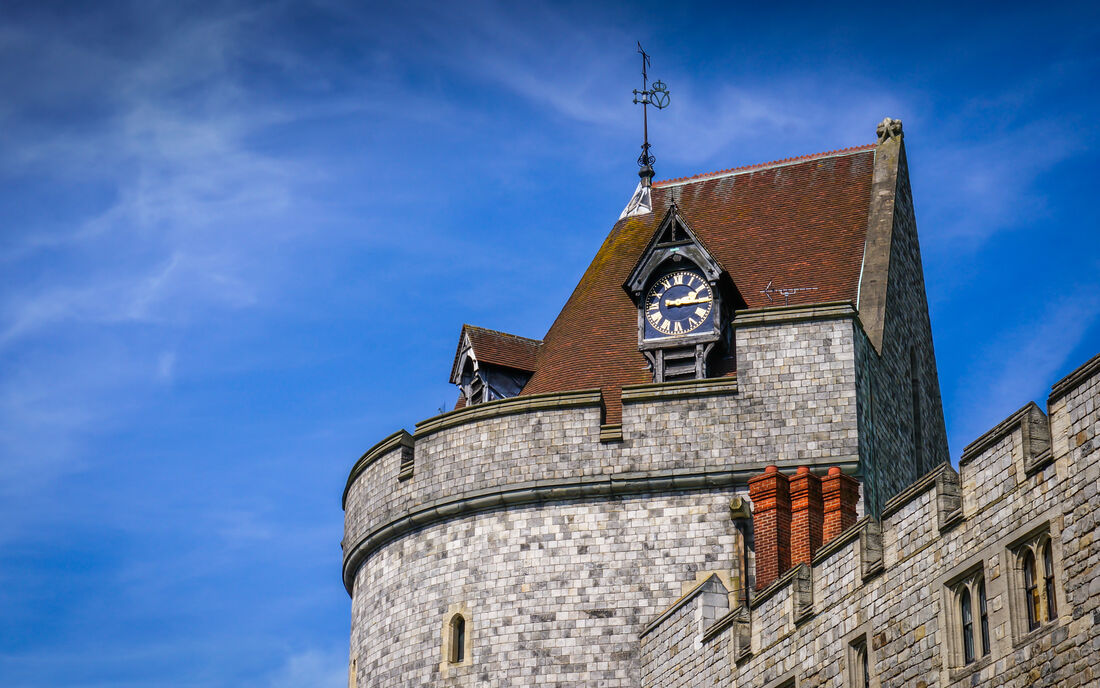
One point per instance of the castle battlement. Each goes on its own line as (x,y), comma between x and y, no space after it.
(891,581)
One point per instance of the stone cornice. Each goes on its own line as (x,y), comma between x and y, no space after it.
(831,310)
(1069,382)
(776,585)
(507,407)
(915,489)
(716,386)
(539,491)
(997,433)
(684,599)
(388,444)
(848,535)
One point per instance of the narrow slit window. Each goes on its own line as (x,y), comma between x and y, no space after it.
(914,385)
(863,665)
(984,617)
(967,615)
(859,669)
(1048,582)
(458,639)
(1031,591)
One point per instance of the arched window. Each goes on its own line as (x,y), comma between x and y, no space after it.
(1048,582)
(859,668)
(457,650)
(861,651)
(984,613)
(966,614)
(1031,590)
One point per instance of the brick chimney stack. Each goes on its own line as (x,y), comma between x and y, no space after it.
(807,516)
(839,493)
(771,525)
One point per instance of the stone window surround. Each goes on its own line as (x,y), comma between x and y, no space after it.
(996,558)
(1034,541)
(787,681)
(446,666)
(972,578)
(861,636)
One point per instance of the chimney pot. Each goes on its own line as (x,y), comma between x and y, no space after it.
(839,494)
(771,525)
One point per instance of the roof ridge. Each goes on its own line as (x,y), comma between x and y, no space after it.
(504,334)
(762,165)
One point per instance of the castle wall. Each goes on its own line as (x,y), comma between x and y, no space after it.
(557,593)
(1013,488)
(792,403)
(518,510)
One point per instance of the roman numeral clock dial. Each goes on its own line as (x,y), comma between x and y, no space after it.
(678,303)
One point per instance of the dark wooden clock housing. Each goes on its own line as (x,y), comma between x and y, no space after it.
(693,351)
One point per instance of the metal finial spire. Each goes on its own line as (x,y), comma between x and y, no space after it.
(657,96)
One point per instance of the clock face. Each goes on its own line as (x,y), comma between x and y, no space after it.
(678,303)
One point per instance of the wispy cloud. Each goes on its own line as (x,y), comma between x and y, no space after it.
(312,668)
(1021,363)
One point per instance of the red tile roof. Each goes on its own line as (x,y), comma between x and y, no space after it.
(500,348)
(797,223)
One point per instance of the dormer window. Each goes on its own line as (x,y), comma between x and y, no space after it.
(492,365)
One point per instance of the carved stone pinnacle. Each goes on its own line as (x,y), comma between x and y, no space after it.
(889,129)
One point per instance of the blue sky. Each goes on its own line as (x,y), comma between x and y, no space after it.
(238,241)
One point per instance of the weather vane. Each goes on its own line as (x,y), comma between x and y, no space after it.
(657,96)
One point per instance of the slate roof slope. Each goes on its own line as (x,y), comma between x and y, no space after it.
(798,223)
(499,348)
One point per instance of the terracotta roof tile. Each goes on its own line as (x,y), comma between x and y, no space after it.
(798,223)
(500,348)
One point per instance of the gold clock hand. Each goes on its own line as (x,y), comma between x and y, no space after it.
(687,301)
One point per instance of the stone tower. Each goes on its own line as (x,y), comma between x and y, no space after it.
(760,332)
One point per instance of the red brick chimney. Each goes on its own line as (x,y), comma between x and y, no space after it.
(771,525)
(839,493)
(807,516)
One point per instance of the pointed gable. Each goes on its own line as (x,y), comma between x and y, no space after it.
(673,238)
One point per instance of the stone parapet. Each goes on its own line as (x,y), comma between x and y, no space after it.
(792,403)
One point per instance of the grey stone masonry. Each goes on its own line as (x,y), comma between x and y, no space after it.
(557,593)
(909,612)
(901,426)
(792,403)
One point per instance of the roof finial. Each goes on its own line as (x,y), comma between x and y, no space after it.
(889,129)
(657,96)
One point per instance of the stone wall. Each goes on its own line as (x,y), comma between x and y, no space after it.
(888,452)
(673,654)
(557,593)
(1013,485)
(791,404)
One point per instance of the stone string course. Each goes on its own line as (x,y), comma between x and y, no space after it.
(794,404)
(557,593)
